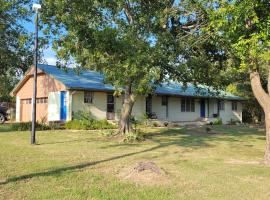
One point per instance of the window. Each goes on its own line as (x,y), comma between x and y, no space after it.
(234,105)
(221,105)
(164,100)
(88,97)
(42,100)
(110,103)
(187,105)
(26,101)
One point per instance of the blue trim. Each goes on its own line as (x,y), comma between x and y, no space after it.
(202,108)
(63,106)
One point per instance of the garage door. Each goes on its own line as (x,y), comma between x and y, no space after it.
(42,109)
(26,110)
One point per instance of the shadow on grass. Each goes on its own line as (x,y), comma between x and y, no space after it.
(74,167)
(164,138)
(196,138)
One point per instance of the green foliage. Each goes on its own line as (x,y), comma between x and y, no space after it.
(243,26)
(89,124)
(217,121)
(15,44)
(108,133)
(26,126)
(134,136)
(208,129)
(134,43)
(84,121)
(155,124)
(82,115)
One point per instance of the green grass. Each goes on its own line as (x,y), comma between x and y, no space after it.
(85,165)
(5,128)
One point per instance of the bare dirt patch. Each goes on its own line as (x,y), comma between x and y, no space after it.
(145,172)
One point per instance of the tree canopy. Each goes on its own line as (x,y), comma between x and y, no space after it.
(243,26)
(135,44)
(15,43)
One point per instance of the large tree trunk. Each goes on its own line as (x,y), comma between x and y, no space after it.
(124,125)
(264,100)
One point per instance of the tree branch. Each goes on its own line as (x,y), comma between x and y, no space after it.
(127,12)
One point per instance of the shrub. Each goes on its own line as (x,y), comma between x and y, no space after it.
(208,129)
(27,126)
(82,115)
(134,136)
(107,133)
(155,124)
(55,125)
(89,124)
(217,121)
(85,121)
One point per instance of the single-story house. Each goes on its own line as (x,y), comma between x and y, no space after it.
(61,93)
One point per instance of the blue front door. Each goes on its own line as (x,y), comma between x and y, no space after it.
(202,108)
(63,106)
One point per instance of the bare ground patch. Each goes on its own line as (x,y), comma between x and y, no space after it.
(145,172)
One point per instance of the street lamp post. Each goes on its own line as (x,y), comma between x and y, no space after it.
(36,8)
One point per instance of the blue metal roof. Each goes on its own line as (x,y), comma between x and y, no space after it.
(91,80)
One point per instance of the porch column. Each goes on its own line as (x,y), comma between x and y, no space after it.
(208,109)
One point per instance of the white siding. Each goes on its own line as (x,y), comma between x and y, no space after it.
(158,108)
(54,106)
(97,107)
(18,109)
(227,114)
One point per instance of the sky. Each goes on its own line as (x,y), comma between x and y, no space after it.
(49,55)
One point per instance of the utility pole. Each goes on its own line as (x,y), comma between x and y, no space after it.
(36,8)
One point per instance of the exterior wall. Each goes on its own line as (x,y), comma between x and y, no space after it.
(97,108)
(174,109)
(158,108)
(139,108)
(18,110)
(227,114)
(213,107)
(54,106)
(45,85)
(175,113)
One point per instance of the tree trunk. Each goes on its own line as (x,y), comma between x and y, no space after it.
(124,125)
(264,100)
(267,128)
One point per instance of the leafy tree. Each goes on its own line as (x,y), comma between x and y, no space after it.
(15,43)
(135,44)
(243,25)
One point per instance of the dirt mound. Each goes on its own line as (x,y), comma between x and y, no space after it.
(145,172)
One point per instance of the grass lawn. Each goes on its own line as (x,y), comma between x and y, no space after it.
(86,165)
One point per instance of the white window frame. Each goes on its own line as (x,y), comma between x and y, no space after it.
(234,106)
(189,105)
(221,105)
(88,97)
